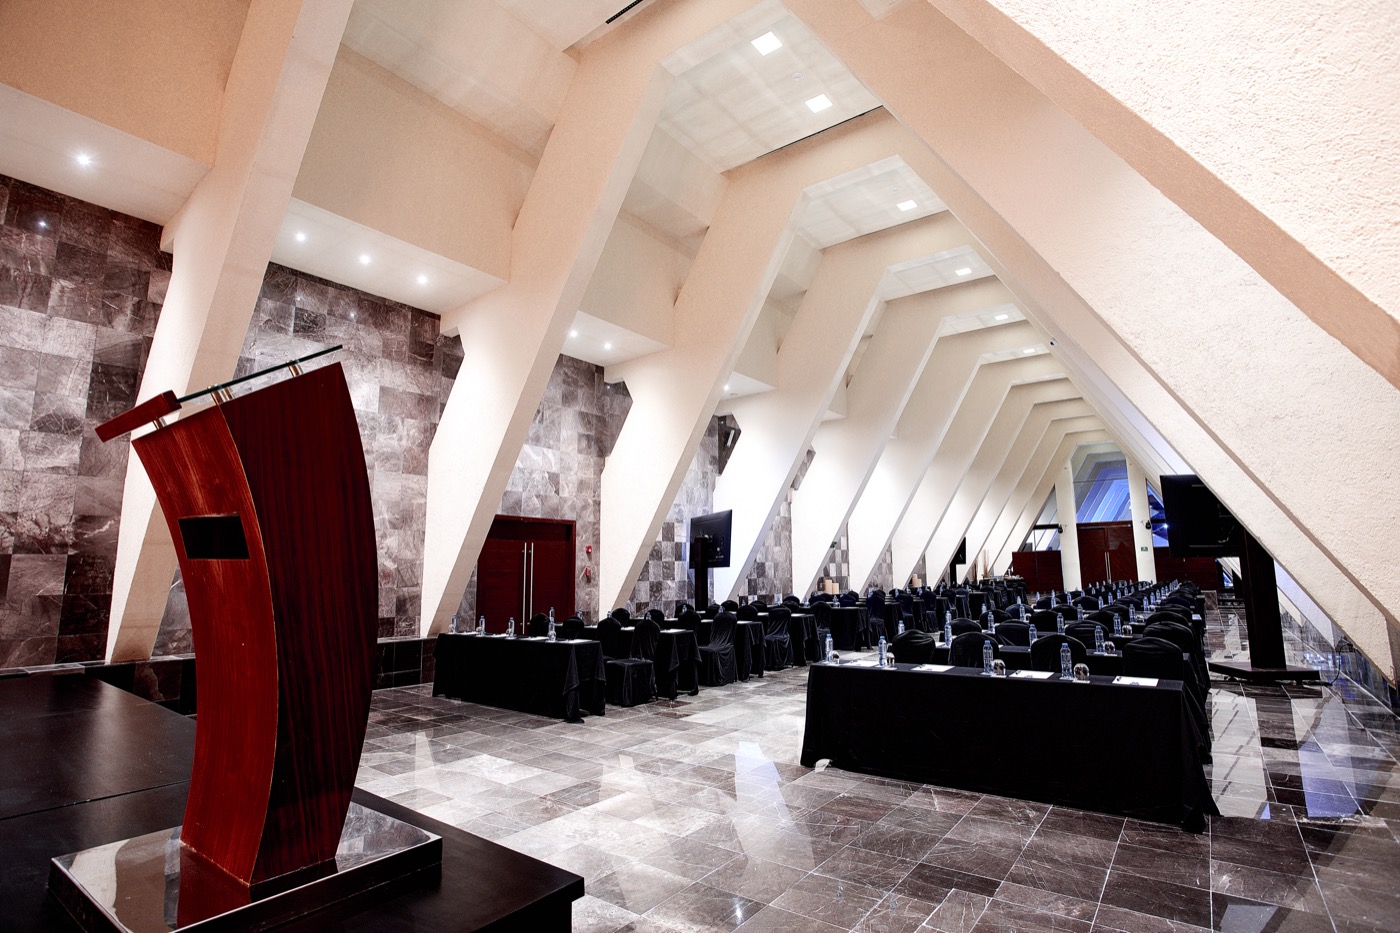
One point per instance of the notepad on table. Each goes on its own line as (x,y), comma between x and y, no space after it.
(1136,681)
(936,668)
(1034,675)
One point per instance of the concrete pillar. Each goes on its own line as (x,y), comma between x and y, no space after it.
(1069,526)
(1035,501)
(959,501)
(999,541)
(975,417)
(1052,213)
(948,380)
(778,426)
(222,238)
(512,337)
(1142,528)
(674,392)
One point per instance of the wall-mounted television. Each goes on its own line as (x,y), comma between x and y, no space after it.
(1198,525)
(709,538)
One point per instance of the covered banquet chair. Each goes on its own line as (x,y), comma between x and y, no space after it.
(1045,652)
(630,680)
(913,647)
(966,649)
(777,639)
(718,666)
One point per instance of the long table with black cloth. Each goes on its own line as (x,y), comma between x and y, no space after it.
(849,626)
(548,678)
(748,645)
(677,661)
(1095,745)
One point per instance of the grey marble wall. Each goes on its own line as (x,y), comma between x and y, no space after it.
(399,369)
(81,288)
(771,574)
(837,565)
(665,578)
(883,574)
(559,471)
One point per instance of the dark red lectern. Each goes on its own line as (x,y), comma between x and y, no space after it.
(268,503)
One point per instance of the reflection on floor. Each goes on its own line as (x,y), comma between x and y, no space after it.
(695,816)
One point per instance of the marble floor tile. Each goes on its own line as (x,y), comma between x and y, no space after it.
(695,816)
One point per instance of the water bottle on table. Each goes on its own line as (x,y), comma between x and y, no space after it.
(551,630)
(1098,638)
(901,627)
(986,657)
(1117,624)
(1060,624)
(827,649)
(481,625)
(510,627)
(456,625)
(1031,634)
(881,649)
(948,632)
(1066,663)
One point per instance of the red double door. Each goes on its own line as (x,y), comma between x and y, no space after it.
(1106,553)
(526,567)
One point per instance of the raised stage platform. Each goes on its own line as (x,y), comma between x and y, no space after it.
(88,764)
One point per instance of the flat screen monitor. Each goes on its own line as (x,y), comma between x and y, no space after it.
(1198,525)
(709,538)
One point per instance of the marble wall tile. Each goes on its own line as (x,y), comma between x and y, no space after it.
(80,292)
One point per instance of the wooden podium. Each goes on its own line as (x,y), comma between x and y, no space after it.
(268,503)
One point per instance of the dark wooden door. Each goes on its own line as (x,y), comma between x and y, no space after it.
(1106,552)
(526,567)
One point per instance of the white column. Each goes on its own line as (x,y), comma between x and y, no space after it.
(222,239)
(816,350)
(1142,528)
(959,446)
(1069,526)
(1084,236)
(947,381)
(1000,540)
(1035,501)
(674,391)
(961,499)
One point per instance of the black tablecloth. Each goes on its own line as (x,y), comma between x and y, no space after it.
(1096,746)
(677,661)
(849,626)
(1019,658)
(806,646)
(748,646)
(558,678)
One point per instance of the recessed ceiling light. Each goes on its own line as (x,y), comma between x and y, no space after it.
(1028,350)
(573,333)
(726,387)
(422,280)
(608,345)
(301,236)
(767,43)
(907,205)
(1002,317)
(364,259)
(43,225)
(963,271)
(819,103)
(83,159)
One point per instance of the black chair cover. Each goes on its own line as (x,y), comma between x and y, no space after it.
(538,626)
(746,613)
(964,625)
(689,619)
(622,615)
(729,605)
(1045,620)
(712,610)
(913,647)
(571,628)
(966,649)
(1014,633)
(1153,657)
(630,680)
(777,639)
(1045,652)
(1104,617)
(1084,632)
(717,663)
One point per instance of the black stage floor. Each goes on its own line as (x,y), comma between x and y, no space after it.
(85,764)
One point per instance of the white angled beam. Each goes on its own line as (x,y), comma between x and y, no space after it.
(222,239)
(778,426)
(976,415)
(949,378)
(1035,502)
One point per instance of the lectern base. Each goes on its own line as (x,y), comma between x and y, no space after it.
(134,885)
(1248,673)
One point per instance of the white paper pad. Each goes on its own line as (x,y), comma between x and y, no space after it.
(674,631)
(1034,675)
(936,668)
(864,663)
(1136,681)
(538,638)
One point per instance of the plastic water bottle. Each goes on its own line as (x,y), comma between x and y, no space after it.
(827,649)
(456,625)
(901,627)
(551,613)
(1060,624)
(881,649)
(1032,634)
(948,632)
(1100,602)
(1098,638)
(510,627)
(1066,663)
(551,630)
(1132,614)
(1117,624)
(481,625)
(986,657)
(947,616)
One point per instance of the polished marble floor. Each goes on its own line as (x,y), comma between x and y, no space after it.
(695,816)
